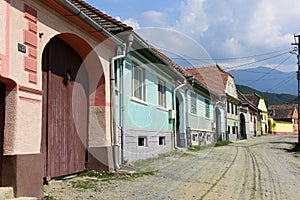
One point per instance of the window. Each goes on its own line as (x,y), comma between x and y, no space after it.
(235,108)
(228,129)
(228,107)
(161,93)
(193,103)
(162,141)
(142,141)
(207,110)
(139,83)
(232,108)
(194,136)
(233,130)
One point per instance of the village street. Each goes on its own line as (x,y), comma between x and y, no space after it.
(257,168)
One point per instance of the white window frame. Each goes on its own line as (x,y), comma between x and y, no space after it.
(161,89)
(207,108)
(193,100)
(140,84)
(145,141)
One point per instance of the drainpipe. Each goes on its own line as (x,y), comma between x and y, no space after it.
(113,99)
(174,107)
(113,106)
(122,89)
(226,116)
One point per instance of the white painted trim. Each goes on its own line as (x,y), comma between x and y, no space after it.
(139,101)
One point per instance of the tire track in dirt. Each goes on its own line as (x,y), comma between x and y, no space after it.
(221,177)
(247,172)
(256,175)
(274,192)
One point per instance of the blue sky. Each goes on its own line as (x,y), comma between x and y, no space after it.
(232,32)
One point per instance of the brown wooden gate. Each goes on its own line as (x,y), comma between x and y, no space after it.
(2,121)
(65,110)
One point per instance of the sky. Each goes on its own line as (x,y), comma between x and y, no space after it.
(234,34)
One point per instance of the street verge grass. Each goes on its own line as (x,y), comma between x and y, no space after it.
(48,197)
(222,143)
(145,164)
(195,148)
(85,184)
(130,171)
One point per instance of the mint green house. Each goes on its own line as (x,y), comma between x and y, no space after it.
(145,84)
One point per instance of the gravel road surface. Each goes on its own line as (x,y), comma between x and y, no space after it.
(257,168)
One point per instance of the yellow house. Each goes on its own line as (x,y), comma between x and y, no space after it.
(263,115)
(262,118)
(283,119)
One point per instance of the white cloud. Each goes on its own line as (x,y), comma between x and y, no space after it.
(118,18)
(133,23)
(233,45)
(193,19)
(182,48)
(154,19)
(272,23)
(232,28)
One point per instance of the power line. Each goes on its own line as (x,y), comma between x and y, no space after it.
(265,79)
(229,58)
(271,69)
(257,61)
(257,71)
(282,83)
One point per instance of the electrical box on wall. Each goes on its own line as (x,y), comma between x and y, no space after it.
(172,114)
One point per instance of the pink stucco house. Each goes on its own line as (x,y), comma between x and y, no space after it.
(55,58)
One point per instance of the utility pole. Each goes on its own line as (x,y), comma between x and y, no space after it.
(297,44)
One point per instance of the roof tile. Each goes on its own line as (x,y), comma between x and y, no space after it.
(212,76)
(107,22)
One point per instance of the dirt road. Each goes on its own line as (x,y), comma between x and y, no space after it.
(258,168)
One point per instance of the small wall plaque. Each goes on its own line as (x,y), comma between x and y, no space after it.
(21,48)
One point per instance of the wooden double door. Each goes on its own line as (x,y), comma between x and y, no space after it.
(65,110)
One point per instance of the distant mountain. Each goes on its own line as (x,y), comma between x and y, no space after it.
(270,98)
(267,80)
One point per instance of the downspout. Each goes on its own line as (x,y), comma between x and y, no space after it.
(226,115)
(113,100)
(184,119)
(113,106)
(122,89)
(174,108)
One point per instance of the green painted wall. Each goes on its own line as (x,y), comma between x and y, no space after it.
(146,114)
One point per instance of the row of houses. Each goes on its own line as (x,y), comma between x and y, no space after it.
(81,91)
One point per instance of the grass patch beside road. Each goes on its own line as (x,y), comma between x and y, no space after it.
(139,168)
(195,148)
(222,143)
(85,184)
(146,162)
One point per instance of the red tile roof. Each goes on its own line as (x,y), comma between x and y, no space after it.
(212,76)
(244,100)
(169,60)
(107,22)
(253,98)
(283,111)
